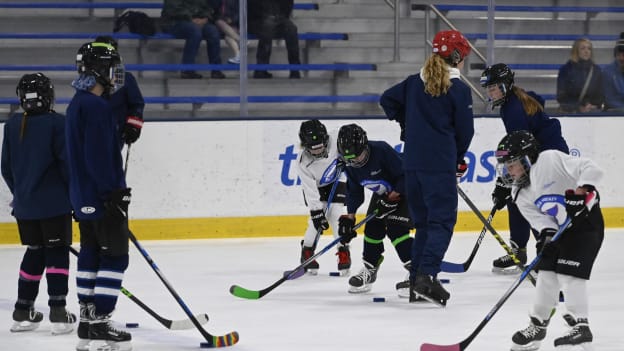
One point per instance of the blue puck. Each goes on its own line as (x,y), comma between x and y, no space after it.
(379,299)
(334,274)
(445,281)
(132,325)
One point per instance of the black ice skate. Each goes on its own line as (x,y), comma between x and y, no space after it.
(363,281)
(578,338)
(62,320)
(104,337)
(307,252)
(506,265)
(529,338)
(344,259)
(403,288)
(428,288)
(87,312)
(26,320)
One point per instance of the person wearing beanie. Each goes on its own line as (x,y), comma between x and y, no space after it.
(613,78)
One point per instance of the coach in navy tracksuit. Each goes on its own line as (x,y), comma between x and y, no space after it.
(434,109)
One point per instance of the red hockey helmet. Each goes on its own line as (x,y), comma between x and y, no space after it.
(451,45)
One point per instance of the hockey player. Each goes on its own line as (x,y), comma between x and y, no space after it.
(548,187)
(519,110)
(99,196)
(317,167)
(434,110)
(34,168)
(376,166)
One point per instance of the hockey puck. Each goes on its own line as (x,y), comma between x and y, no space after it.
(334,274)
(206,345)
(379,299)
(445,281)
(132,325)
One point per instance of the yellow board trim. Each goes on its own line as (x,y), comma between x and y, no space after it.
(269,226)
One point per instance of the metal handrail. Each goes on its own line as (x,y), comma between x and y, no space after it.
(397,29)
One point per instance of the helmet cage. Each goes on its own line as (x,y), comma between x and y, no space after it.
(314,138)
(502,168)
(353,145)
(101,61)
(36,93)
(501,76)
(357,160)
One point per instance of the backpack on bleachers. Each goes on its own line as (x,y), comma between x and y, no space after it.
(138,23)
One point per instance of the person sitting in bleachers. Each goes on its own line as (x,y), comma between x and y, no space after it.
(613,79)
(227,22)
(579,82)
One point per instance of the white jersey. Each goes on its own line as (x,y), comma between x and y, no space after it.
(542,203)
(315,173)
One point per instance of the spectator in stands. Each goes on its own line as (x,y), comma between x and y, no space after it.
(193,20)
(127,103)
(228,25)
(268,20)
(579,82)
(613,79)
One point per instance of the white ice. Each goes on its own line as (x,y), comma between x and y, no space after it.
(316,313)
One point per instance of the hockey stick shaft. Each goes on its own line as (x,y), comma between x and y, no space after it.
(497,236)
(211,340)
(330,198)
(450,267)
(125,170)
(167,323)
(241,292)
(525,273)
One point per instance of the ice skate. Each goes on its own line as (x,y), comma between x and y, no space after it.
(363,281)
(26,320)
(506,265)
(529,338)
(87,312)
(428,288)
(62,320)
(344,259)
(104,337)
(307,252)
(579,338)
(402,287)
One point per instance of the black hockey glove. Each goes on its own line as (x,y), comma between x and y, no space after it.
(501,194)
(117,205)
(345,229)
(385,206)
(462,167)
(544,244)
(319,220)
(578,206)
(132,129)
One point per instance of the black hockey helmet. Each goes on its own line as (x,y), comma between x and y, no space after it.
(36,93)
(353,145)
(101,61)
(519,146)
(314,138)
(501,75)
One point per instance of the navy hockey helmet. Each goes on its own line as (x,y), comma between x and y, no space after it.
(516,148)
(314,138)
(36,93)
(353,145)
(101,61)
(500,75)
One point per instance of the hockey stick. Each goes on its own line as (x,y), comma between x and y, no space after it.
(241,292)
(125,170)
(497,236)
(450,267)
(525,273)
(211,341)
(168,323)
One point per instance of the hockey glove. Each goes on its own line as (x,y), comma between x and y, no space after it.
(385,206)
(462,167)
(345,229)
(319,220)
(578,206)
(544,242)
(117,205)
(501,194)
(132,129)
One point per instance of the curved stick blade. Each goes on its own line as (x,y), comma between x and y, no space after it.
(228,339)
(241,292)
(433,347)
(184,324)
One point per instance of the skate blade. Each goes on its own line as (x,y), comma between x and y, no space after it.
(25,326)
(439,303)
(403,293)
(62,328)
(311,271)
(532,346)
(343,272)
(587,346)
(83,345)
(102,345)
(506,271)
(360,289)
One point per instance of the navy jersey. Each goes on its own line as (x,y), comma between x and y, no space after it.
(545,129)
(34,165)
(94,154)
(127,101)
(382,173)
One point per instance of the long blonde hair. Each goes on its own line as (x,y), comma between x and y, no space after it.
(576,47)
(530,105)
(436,76)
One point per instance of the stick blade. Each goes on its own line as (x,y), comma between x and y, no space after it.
(226,340)
(185,324)
(243,293)
(433,347)
(450,267)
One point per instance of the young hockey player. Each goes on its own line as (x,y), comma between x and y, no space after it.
(519,110)
(317,166)
(99,197)
(548,187)
(34,168)
(376,166)
(434,110)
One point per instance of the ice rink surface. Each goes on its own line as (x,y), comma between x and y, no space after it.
(316,313)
